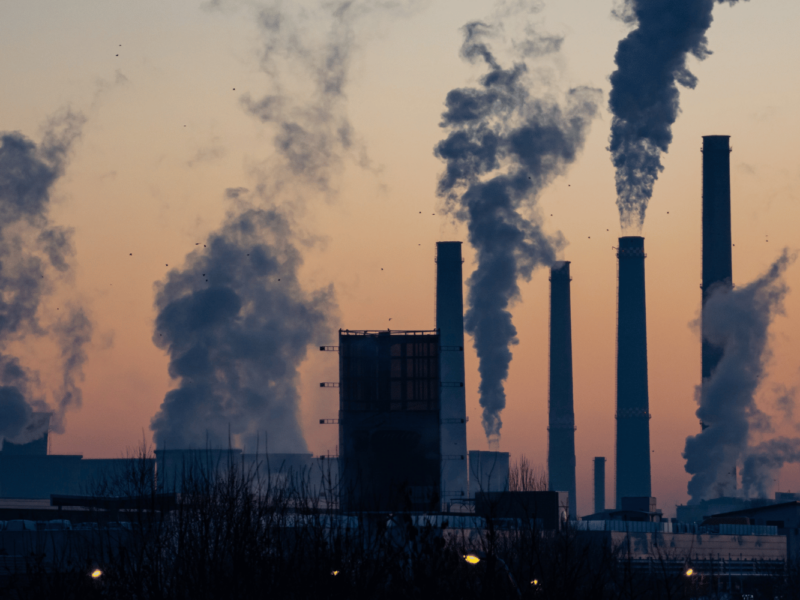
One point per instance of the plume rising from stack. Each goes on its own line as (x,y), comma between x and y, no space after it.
(737,321)
(237,325)
(644,99)
(34,252)
(504,146)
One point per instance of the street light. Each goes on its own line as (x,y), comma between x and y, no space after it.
(474,558)
(96,574)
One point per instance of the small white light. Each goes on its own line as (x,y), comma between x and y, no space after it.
(689,572)
(96,574)
(472,559)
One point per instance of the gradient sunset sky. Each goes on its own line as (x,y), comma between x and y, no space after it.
(162,84)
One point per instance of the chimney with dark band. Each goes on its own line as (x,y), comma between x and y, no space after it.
(561,430)
(633,414)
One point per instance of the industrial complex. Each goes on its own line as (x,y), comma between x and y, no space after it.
(402,430)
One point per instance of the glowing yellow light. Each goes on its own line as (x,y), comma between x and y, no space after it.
(334,573)
(689,572)
(96,573)
(535,582)
(472,559)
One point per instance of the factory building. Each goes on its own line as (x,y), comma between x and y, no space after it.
(288,471)
(633,413)
(784,516)
(561,426)
(389,412)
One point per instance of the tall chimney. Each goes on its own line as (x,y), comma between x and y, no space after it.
(599,484)
(453,415)
(717,263)
(633,416)
(717,260)
(561,430)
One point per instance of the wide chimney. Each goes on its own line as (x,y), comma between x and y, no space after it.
(561,430)
(453,417)
(633,415)
(599,484)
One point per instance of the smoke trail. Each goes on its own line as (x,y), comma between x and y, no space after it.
(29,245)
(73,333)
(306,53)
(644,100)
(236,340)
(763,462)
(237,324)
(736,321)
(502,149)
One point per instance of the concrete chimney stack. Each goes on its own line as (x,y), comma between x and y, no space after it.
(717,261)
(561,429)
(599,484)
(633,413)
(450,323)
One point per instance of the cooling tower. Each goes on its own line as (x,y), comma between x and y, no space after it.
(717,268)
(488,472)
(561,430)
(450,323)
(633,415)
(599,484)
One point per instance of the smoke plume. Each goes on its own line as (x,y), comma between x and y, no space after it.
(236,325)
(763,462)
(31,247)
(235,321)
(503,147)
(644,100)
(306,54)
(737,321)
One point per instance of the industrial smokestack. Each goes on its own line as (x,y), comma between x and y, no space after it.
(633,416)
(717,263)
(453,415)
(599,484)
(561,430)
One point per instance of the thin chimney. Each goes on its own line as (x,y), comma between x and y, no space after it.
(561,430)
(453,416)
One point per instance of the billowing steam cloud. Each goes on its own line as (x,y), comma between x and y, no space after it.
(737,321)
(504,146)
(30,245)
(235,320)
(651,62)
(237,325)
(763,462)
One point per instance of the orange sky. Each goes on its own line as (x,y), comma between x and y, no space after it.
(166,134)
